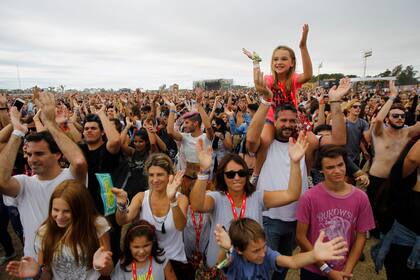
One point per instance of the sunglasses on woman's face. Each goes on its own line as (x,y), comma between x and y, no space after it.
(231,174)
(356,106)
(396,116)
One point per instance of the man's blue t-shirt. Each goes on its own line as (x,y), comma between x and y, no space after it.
(239,268)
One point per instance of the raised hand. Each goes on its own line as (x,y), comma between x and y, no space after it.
(121,195)
(102,258)
(46,102)
(199,95)
(27,267)
(320,94)
(297,149)
(337,93)
(247,53)
(61,114)
(303,39)
(204,156)
(329,251)
(15,120)
(3,100)
(261,86)
(173,185)
(128,122)
(169,103)
(35,92)
(393,92)
(222,237)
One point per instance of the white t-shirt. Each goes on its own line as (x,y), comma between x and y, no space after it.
(64,266)
(189,145)
(33,201)
(275,175)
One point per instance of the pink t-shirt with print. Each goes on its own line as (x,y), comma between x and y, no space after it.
(336,216)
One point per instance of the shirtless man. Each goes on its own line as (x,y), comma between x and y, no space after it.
(388,142)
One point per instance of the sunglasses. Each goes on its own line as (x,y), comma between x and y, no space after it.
(356,106)
(396,116)
(231,174)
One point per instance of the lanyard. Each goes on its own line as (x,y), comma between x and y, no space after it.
(134,269)
(197,229)
(243,207)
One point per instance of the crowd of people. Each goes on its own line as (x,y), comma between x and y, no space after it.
(213,184)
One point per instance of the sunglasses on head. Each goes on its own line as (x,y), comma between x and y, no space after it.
(396,116)
(231,174)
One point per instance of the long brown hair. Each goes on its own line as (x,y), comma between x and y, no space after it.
(80,235)
(289,75)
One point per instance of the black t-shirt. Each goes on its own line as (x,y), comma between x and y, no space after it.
(169,142)
(137,182)
(99,161)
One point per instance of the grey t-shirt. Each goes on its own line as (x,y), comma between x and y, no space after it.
(222,214)
(354,136)
(158,271)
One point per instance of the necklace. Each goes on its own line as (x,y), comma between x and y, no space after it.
(158,221)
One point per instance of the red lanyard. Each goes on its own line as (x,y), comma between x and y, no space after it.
(235,215)
(134,269)
(197,229)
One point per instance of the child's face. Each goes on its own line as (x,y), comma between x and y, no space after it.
(60,212)
(255,252)
(282,61)
(141,248)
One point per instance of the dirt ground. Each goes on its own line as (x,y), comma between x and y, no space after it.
(363,271)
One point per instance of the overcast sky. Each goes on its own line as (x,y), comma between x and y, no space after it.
(114,44)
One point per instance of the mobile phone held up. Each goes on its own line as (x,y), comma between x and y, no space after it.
(19,103)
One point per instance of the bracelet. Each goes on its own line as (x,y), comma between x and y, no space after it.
(256,57)
(202,177)
(124,208)
(334,101)
(325,268)
(172,111)
(18,133)
(266,102)
(4,108)
(173,204)
(97,268)
(392,98)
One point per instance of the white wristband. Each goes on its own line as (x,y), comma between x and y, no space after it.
(202,177)
(18,133)
(265,102)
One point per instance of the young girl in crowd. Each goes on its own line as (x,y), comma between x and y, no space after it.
(72,243)
(284,83)
(142,258)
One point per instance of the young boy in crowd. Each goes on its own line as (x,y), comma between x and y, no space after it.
(338,209)
(248,256)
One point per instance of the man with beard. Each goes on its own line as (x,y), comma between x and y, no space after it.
(388,143)
(280,223)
